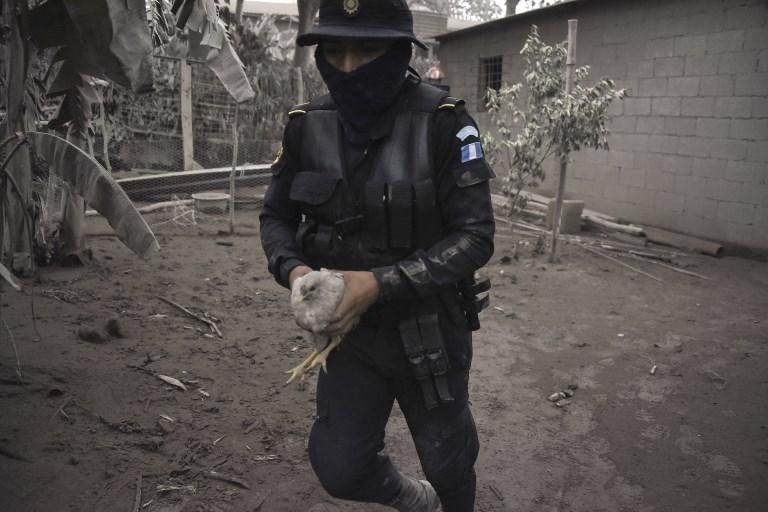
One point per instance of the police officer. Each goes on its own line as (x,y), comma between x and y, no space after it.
(384,179)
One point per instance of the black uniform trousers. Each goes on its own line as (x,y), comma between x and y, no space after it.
(366,374)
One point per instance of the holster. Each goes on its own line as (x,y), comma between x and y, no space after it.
(471,299)
(426,353)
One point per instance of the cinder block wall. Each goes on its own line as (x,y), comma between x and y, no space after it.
(689,145)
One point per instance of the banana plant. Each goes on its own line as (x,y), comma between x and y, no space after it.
(109,40)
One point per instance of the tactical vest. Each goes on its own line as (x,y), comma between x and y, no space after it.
(397,212)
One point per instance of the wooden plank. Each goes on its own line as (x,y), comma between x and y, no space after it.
(662,236)
(187,135)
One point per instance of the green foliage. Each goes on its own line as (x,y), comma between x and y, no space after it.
(537,119)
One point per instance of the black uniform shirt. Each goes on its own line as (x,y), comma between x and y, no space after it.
(463,199)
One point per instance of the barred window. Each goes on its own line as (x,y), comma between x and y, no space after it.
(490,77)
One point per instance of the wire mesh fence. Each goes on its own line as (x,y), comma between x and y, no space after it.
(160,149)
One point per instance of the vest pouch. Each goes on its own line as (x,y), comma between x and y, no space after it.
(314,190)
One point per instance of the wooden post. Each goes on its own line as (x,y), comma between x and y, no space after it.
(235,139)
(187,134)
(570,75)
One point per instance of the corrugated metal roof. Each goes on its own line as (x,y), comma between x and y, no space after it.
(280,8)
(508,19)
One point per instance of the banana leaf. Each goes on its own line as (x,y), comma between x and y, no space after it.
(115,34)
(91,181)
(208,40)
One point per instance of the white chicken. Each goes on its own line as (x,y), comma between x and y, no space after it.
(314,299)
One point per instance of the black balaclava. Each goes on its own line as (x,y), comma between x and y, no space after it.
(363,95)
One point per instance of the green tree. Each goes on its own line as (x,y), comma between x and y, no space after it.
(536,119)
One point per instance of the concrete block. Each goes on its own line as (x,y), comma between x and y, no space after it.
(749,129)
(712,127)
(622,159)
(623,124)
(726,41)
(759,107)
(664,47)
(636,106)
(694,146)
(671,26)
(683,86)
(734,192)
(616,192)
(666,144)
(710,168)
(755,173)
(666,106)
(640,196)
(642,69)
(659,181)
(649,161)
(698,107)
(669,201)
(745,16)
(761,219)
(701,65)
(570,215)
(668,66)
(705,23)
(677,165)
(728,149)
(742,62)
(716,86)
(687,45)
(650,87)
(738,213)
(700,207)
(616,108)
(734,108)
(756,39)
(757,152)
(632,177)
(628,142)
(681,126)
(751,84)
(762,64)
(689,185)
(652,124)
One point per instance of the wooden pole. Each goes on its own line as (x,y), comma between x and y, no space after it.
(235,139)
(570,75)
(187,135)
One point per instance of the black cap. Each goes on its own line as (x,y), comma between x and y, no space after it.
(366,19)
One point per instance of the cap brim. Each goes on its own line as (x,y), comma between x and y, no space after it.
(325,32)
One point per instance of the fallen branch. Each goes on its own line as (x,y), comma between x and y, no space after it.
(670,267)
(664,237)
(642,254)
(215,475)
(5,452)
(19,375)
(619,262)
(61,408)
(137,496)
(210,323)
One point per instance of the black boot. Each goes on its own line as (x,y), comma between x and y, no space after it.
(416,496)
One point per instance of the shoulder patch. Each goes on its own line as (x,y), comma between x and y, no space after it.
(467,131)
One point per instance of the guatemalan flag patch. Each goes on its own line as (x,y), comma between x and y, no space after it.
(471,151)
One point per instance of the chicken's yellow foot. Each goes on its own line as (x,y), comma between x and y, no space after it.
(300,370)
(321,358)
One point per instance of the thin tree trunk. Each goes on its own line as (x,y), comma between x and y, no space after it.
(307,11)
(570,69)
(17,58)
(239,11)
